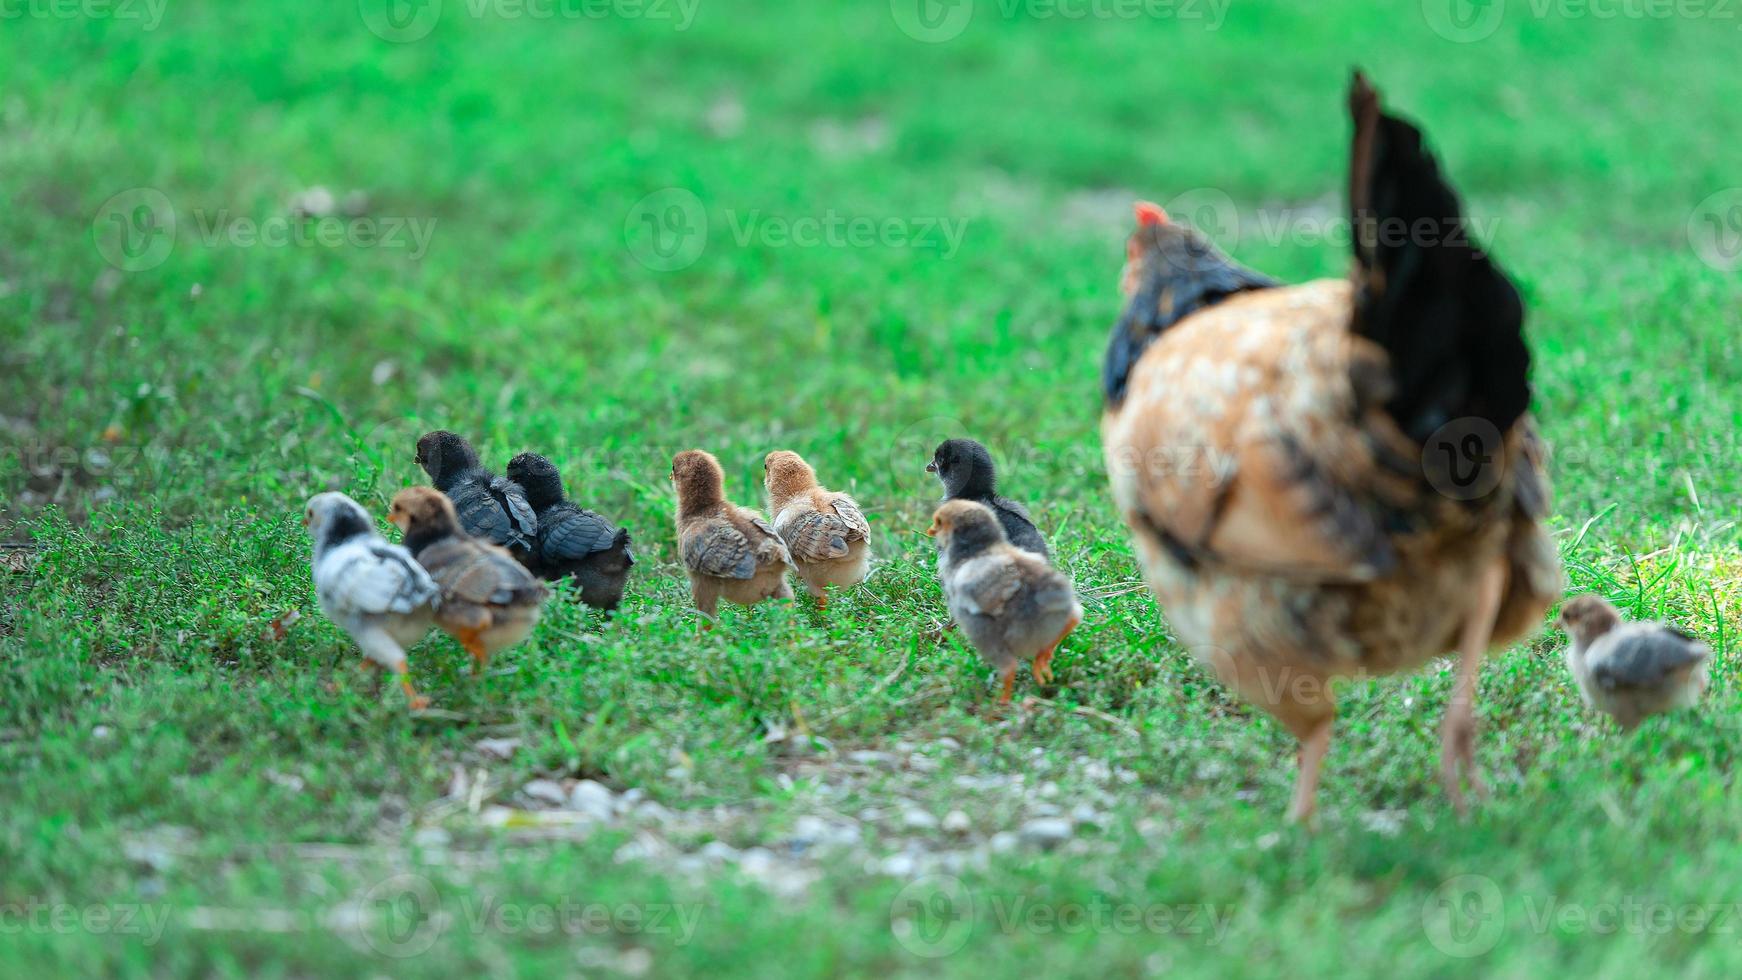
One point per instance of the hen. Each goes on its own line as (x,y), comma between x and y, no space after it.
(489,506)
(489,601)
(572,541)
(373,590)
(1631,671)
(1338,478)
(964,467)
(730,552)
(1010,603)
(825,531)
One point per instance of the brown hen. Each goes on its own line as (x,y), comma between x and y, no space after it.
(1339,478)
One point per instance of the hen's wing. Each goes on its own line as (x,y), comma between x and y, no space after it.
(1645,657)
(714,547)
(570,534)
(983,586)
(373,577)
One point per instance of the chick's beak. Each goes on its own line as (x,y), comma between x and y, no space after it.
(931,467)
(932,532)
(396,517)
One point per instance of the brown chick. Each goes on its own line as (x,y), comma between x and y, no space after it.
(1631,671)
(1363,490)
(730,552)
(1009,602)
(489,601)
(826,533)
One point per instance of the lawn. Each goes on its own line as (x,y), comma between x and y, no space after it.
(613,231)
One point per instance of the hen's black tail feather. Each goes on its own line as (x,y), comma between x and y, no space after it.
(1448,317)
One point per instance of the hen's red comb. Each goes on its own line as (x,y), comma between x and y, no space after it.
(1150,214)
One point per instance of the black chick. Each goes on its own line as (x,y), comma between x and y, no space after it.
(964,467)
(490,507)
(573,541)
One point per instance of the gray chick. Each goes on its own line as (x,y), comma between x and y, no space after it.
(1631,671)
(373,590)
(1009,602)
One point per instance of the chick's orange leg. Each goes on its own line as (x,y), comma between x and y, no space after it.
(1008,687)
(473,641)
(1458,737)
(1043,663)
(414,700)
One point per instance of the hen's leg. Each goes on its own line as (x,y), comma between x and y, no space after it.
(1008,687)
(1458,738)
(1313,749)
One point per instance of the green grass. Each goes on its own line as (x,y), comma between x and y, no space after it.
(160,751)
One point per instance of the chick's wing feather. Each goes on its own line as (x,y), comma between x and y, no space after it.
(985,585)
(847,509)
(470,571)
(1644,655)
(769,547)
(573,534)
(714,547)
(373,577)
(481,514)
(821,535)
(519,511)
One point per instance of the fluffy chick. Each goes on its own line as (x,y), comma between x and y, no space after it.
(964,467)
(1631,671)
(730,552)
(489,601)
(825,531)
(1012,605)
(572,541)
(373,590)
(489,506)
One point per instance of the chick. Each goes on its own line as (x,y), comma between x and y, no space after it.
(489,601)
(731,552)
(572,541)
(373,590)
(489,506)
(825,531)
(964,467)
(1012,605)
(1631,671)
